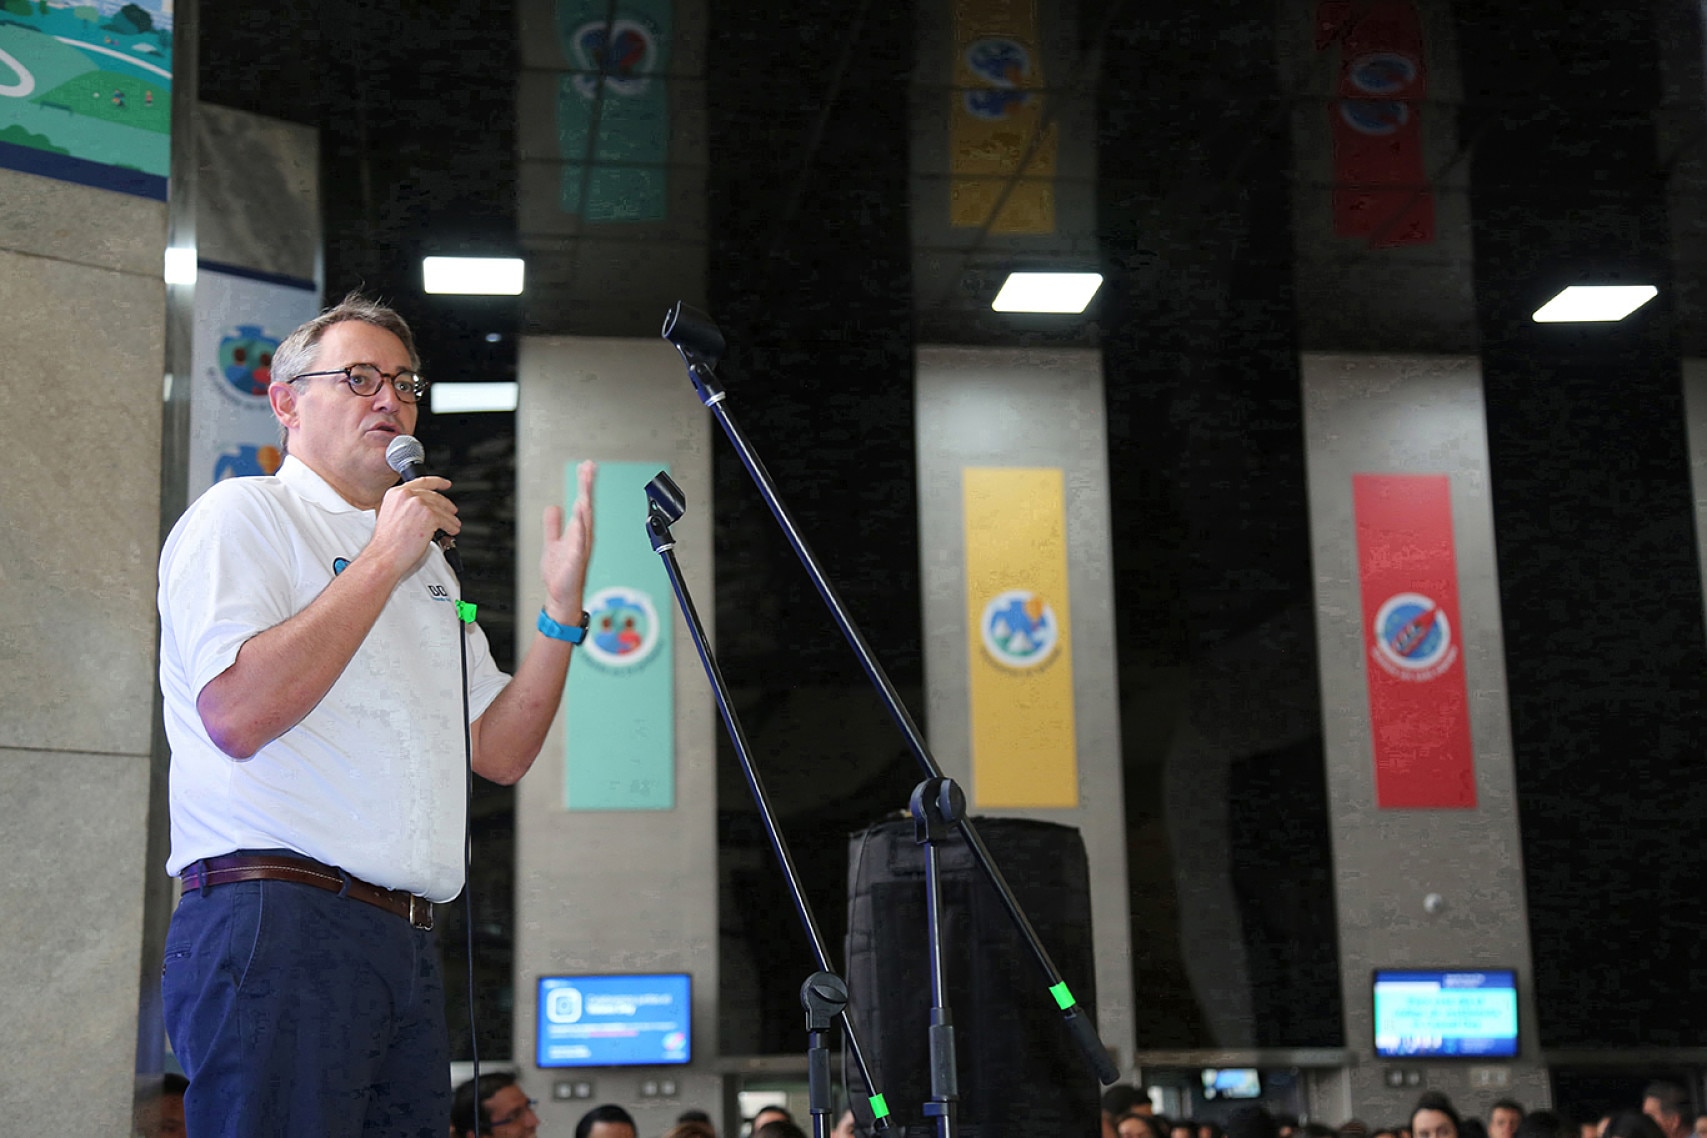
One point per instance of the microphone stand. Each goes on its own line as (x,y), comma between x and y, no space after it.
(938,804)
(824,994)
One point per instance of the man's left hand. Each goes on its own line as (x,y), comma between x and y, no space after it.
(563,563)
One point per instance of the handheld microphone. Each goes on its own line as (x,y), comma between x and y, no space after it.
(408,458)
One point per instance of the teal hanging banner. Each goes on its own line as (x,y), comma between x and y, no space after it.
(613,110)
(621,694)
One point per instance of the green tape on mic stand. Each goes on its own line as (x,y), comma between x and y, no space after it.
(1062,996)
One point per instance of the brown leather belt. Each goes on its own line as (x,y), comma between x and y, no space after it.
(418,911)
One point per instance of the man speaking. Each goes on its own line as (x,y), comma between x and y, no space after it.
(310,660)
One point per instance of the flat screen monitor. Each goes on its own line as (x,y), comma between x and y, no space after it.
(614,1021)
(1231,1082)
(1446,1013)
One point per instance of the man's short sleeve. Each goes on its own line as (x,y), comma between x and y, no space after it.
(225,575)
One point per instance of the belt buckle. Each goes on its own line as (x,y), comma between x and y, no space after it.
(420,912)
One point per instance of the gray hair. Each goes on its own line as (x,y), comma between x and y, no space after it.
(297,353)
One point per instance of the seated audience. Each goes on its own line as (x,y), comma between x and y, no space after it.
(504,1108)
(1633,1124)
(692,1128)
(697,1116)
(607,1121)
(1434,1116)
(1668,1105)
(1544,1124)
(768,1114)
(160,1111)
(1503,1118)
(779,1128)
(1252,1122)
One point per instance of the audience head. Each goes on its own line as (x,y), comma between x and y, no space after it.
(1434,1116)
(1132,1124)
(770,1114)
(160,1109)
(1182,1128)
(1210,1130)
(1472,1128)
(1252,1122)
(1286,1124)
(1667,1104)
(1701,1125)
(692,1128)
(1503,1118)
(1634,1124)
(779,1128)
(1543,1124)
(845,1124)
(504,1108)
(607,1121)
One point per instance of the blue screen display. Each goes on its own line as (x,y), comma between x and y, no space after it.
(614,1021)
(1440,1013)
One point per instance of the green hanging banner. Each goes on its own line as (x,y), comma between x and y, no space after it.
(620,700)
(613,108)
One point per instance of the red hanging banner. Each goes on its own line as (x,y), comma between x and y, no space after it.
(1381,191)
(1419,704)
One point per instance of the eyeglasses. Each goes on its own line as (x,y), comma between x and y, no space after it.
(515,1115)
(364,380)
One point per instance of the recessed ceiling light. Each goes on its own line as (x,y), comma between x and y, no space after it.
(457,398)
(1583,303)
(1047,292)
(473,276)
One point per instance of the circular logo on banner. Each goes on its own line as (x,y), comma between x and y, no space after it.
(622,627)
(1382,73)
(246,360)
(1019,629)
(1413,637)
(1374,116)
(1001,64)
(623,59)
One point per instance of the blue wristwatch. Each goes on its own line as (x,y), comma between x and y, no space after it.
(568,633)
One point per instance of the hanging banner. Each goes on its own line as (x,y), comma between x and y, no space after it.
(86,92)
(996,121)
(620,700)
(1381,191)
(1419,705)
(613,111)
(241,316)
(1019,651)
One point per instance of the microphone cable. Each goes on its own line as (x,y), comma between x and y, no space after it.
(464,618)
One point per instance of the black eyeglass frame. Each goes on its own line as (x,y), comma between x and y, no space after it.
(513,1116)
(411,393)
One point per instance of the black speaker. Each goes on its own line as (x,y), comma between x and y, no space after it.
(1020,1074)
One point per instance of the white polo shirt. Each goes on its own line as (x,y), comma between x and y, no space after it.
(372,778)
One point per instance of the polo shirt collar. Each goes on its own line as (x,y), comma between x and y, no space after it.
(300,477)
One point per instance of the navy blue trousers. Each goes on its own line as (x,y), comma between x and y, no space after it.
(297,1011)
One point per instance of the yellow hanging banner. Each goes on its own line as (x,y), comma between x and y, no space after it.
(998,141)
(1020,659)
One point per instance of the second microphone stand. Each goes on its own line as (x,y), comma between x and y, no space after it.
(824,994)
